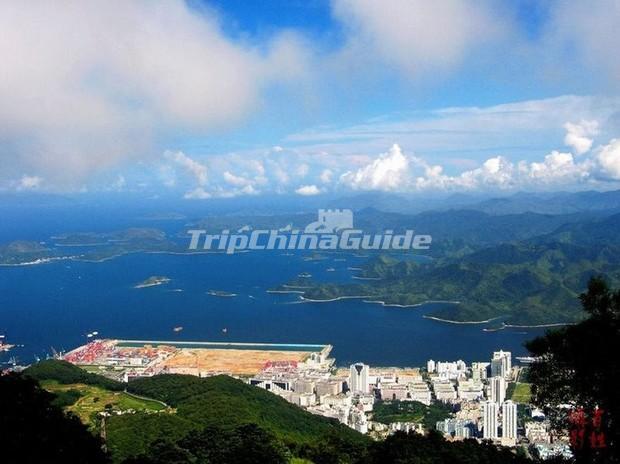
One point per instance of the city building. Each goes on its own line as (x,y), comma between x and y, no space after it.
(489,418)
(501,364)
(358,378)
(470,390)
(509,421)
(444,391)
(430,366)
(497,390)
(479,370)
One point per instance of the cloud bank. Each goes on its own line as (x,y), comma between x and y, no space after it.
(86,85)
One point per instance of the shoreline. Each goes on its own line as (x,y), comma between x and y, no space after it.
(414,305)
(448,321)
(154,283)
(353,297)
(539,326)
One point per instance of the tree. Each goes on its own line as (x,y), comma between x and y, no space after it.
(576,377)
(34,430)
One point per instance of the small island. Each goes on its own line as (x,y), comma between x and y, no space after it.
(221,293)
(153,281)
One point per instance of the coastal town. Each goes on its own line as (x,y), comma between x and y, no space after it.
(484,400)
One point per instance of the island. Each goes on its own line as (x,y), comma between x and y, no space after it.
(521,284)
(153,281)
(221,293)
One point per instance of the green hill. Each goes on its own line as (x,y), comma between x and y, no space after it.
(66,373)
(222,401)
(221,420)
(531,282)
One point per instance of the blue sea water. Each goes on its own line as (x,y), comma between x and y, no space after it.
(56,305)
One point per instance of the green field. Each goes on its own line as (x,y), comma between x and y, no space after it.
(93,399)
(521,393)
(388,412)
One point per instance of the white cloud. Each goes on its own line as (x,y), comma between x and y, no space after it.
(417,35)
(516,129)
(197,169)
(609,159)
(557,168)
(578,135)
(90,84)
(585,33)
(238,181)
(197,194)
(308,190)
(29,182)
(326,176)
(302,170)
(388,172)
(395,171)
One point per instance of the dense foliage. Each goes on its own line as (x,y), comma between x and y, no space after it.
(579,366)
(412,448)
(241,426)
(66,373)
(388,412)
(34,431)
(536,281)
(222,401)
(245,444)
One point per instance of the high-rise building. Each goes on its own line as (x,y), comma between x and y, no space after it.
(479,370)
(358,378)
(509,420)
(430,366)
(497,387)
(501,364)
(489,417)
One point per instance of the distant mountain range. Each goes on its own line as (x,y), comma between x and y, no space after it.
(522,202)
(529,282)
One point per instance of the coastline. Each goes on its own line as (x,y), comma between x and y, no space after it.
(460,322)
(353,297)
(539,326)
(414,305)
(153,283)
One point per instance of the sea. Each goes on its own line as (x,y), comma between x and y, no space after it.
(52,307)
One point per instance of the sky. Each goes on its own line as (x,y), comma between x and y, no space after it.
(229,98)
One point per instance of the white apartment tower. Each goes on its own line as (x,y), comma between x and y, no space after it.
(509,420)
(489,417)
(358,378)
(497,387)
(430,366)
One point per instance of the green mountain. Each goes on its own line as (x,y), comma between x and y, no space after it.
(530,282)
(215,420)
(222,401)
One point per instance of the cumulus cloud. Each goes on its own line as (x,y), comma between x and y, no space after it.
(609,159)
(308,190)
(388,172)
(238,181)
(197,169)
(85,85)
(396,171)
(326,176)
(578,135)
(198,193)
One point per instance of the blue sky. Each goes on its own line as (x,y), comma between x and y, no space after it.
(216,98)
